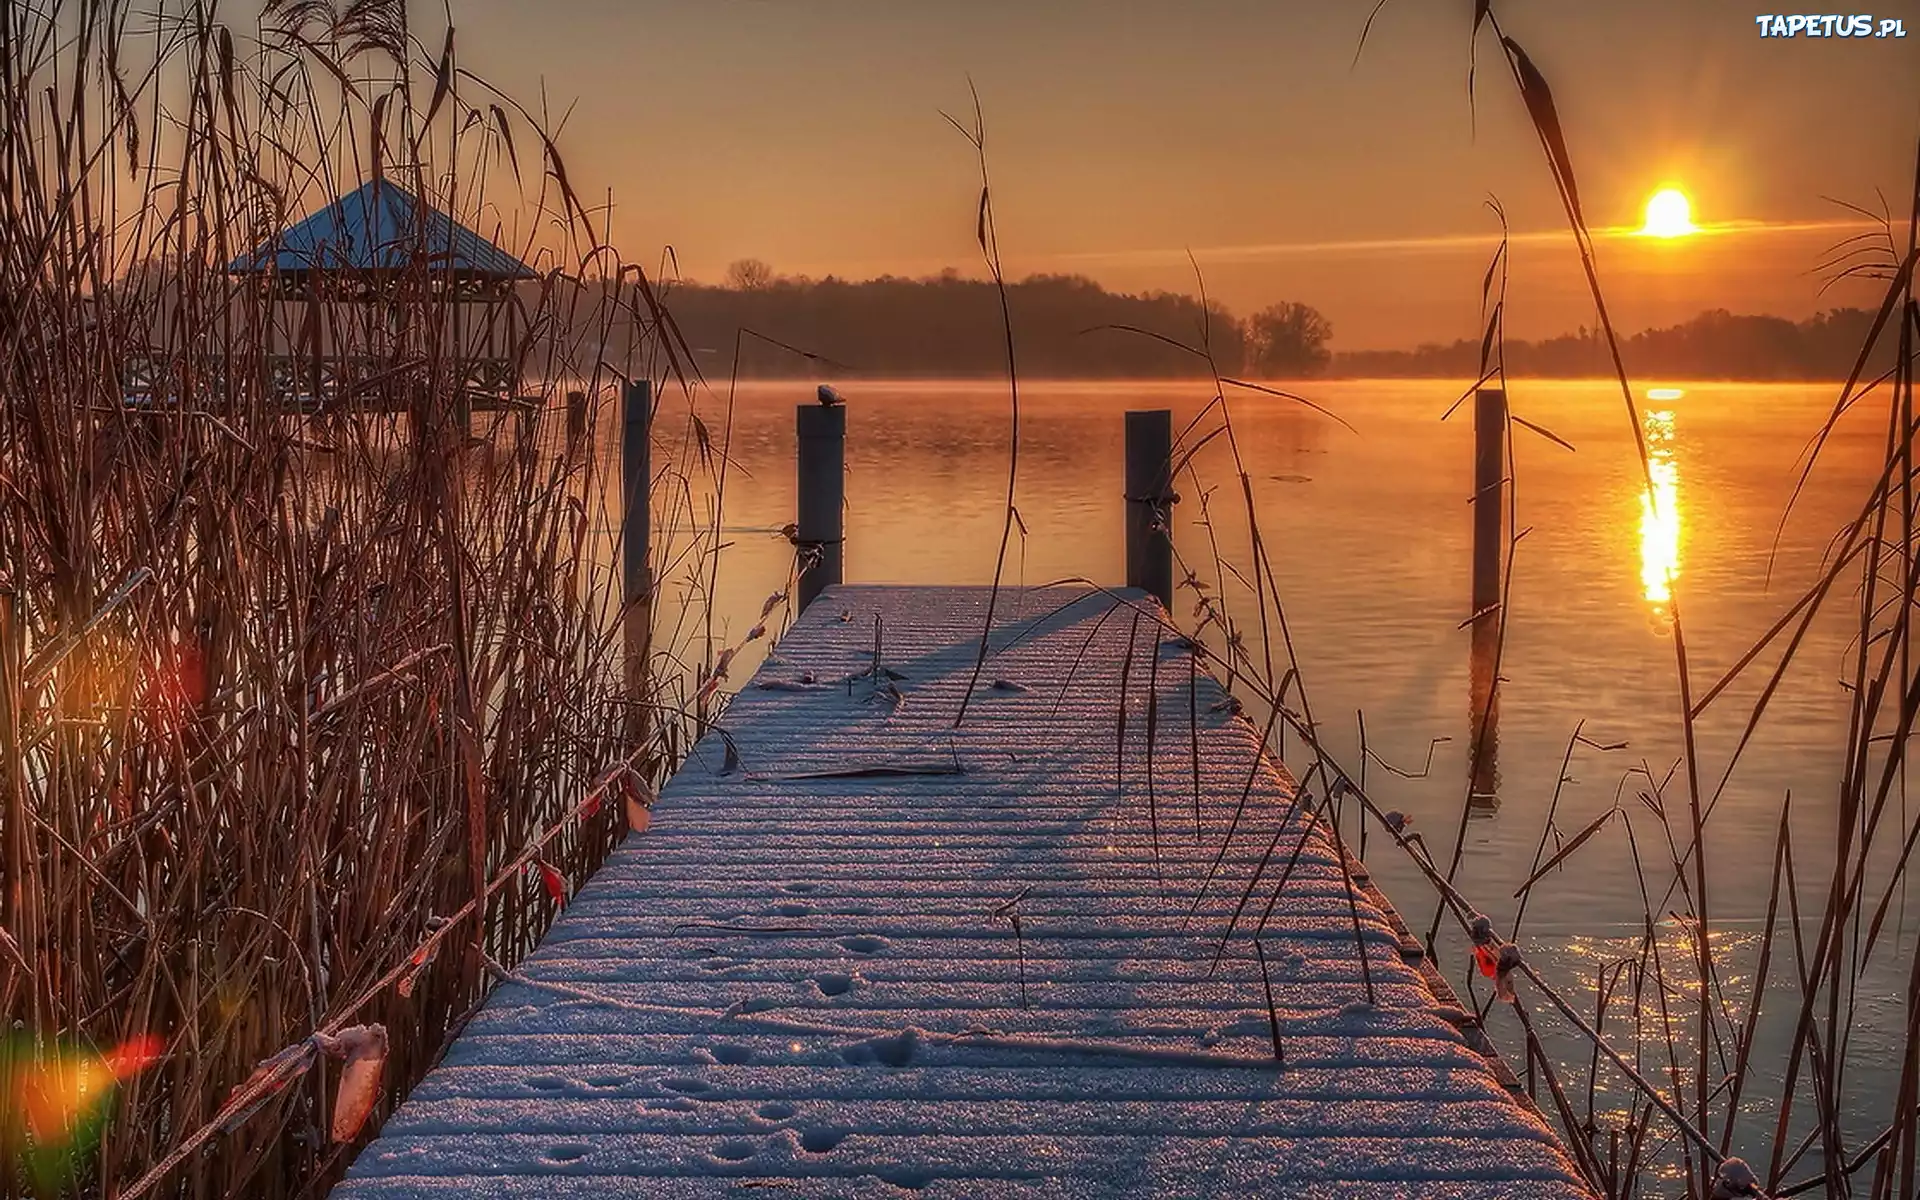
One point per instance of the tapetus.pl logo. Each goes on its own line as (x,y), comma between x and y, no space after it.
(1826,25)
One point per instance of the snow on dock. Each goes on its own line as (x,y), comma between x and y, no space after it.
(866,954)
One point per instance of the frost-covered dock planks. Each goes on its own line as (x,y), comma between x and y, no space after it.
(870,954)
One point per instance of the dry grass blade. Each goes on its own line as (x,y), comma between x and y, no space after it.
(1574,843)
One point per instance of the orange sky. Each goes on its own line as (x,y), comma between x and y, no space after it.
(1122,133)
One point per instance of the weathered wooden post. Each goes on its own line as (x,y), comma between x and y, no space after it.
(1489,553)
(1149,502)
(1489,492)
(822,430)
(636,582)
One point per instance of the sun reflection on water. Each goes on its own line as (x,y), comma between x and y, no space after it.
(1660,516)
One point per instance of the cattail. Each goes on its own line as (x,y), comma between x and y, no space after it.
(1734,1180)
(365,1049)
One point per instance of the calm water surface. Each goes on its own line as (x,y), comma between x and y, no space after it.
(1370,534)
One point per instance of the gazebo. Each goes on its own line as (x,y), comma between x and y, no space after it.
(377,285)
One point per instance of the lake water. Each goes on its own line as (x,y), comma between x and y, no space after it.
(1370,534)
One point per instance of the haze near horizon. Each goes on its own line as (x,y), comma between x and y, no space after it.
(1123,136)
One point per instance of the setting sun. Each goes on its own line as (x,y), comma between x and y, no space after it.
(1669,214)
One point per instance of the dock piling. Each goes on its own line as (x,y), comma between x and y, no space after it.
(1149,502)
(822,430)
(1489,490)
(1489,556)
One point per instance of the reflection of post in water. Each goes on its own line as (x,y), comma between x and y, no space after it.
(1489,543)
(1484,721)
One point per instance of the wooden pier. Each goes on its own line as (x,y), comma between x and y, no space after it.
(864,952)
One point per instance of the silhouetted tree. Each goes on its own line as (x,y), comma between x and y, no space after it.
(1289,338)
(749,275)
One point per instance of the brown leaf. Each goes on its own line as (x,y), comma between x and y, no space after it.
(1546,120)
(223,47)
(506,138)
(365,1049)
(442,79)
(639,799)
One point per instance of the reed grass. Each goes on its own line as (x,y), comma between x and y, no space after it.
(292,704)
(1680,1022)
(307,719)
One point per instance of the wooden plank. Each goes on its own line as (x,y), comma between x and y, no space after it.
(873,952)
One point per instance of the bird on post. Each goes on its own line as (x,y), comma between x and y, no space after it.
(829,397)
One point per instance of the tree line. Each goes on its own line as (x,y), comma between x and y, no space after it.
(945,326)
(1069,326)
(1717,344)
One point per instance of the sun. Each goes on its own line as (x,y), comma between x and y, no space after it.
(1669,214)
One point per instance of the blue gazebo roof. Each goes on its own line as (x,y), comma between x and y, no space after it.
(381,227)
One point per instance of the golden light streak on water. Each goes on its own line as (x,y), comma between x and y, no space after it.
(1660,515)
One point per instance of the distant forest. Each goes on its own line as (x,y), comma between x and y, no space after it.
(1068,326)
(1713,345)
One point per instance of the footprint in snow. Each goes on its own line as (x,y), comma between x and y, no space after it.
(897,1050)
(820,1141)
(687,1087)
(833,983)
(865,943)
(735,1150)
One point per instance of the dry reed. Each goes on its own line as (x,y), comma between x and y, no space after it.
(289,701)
